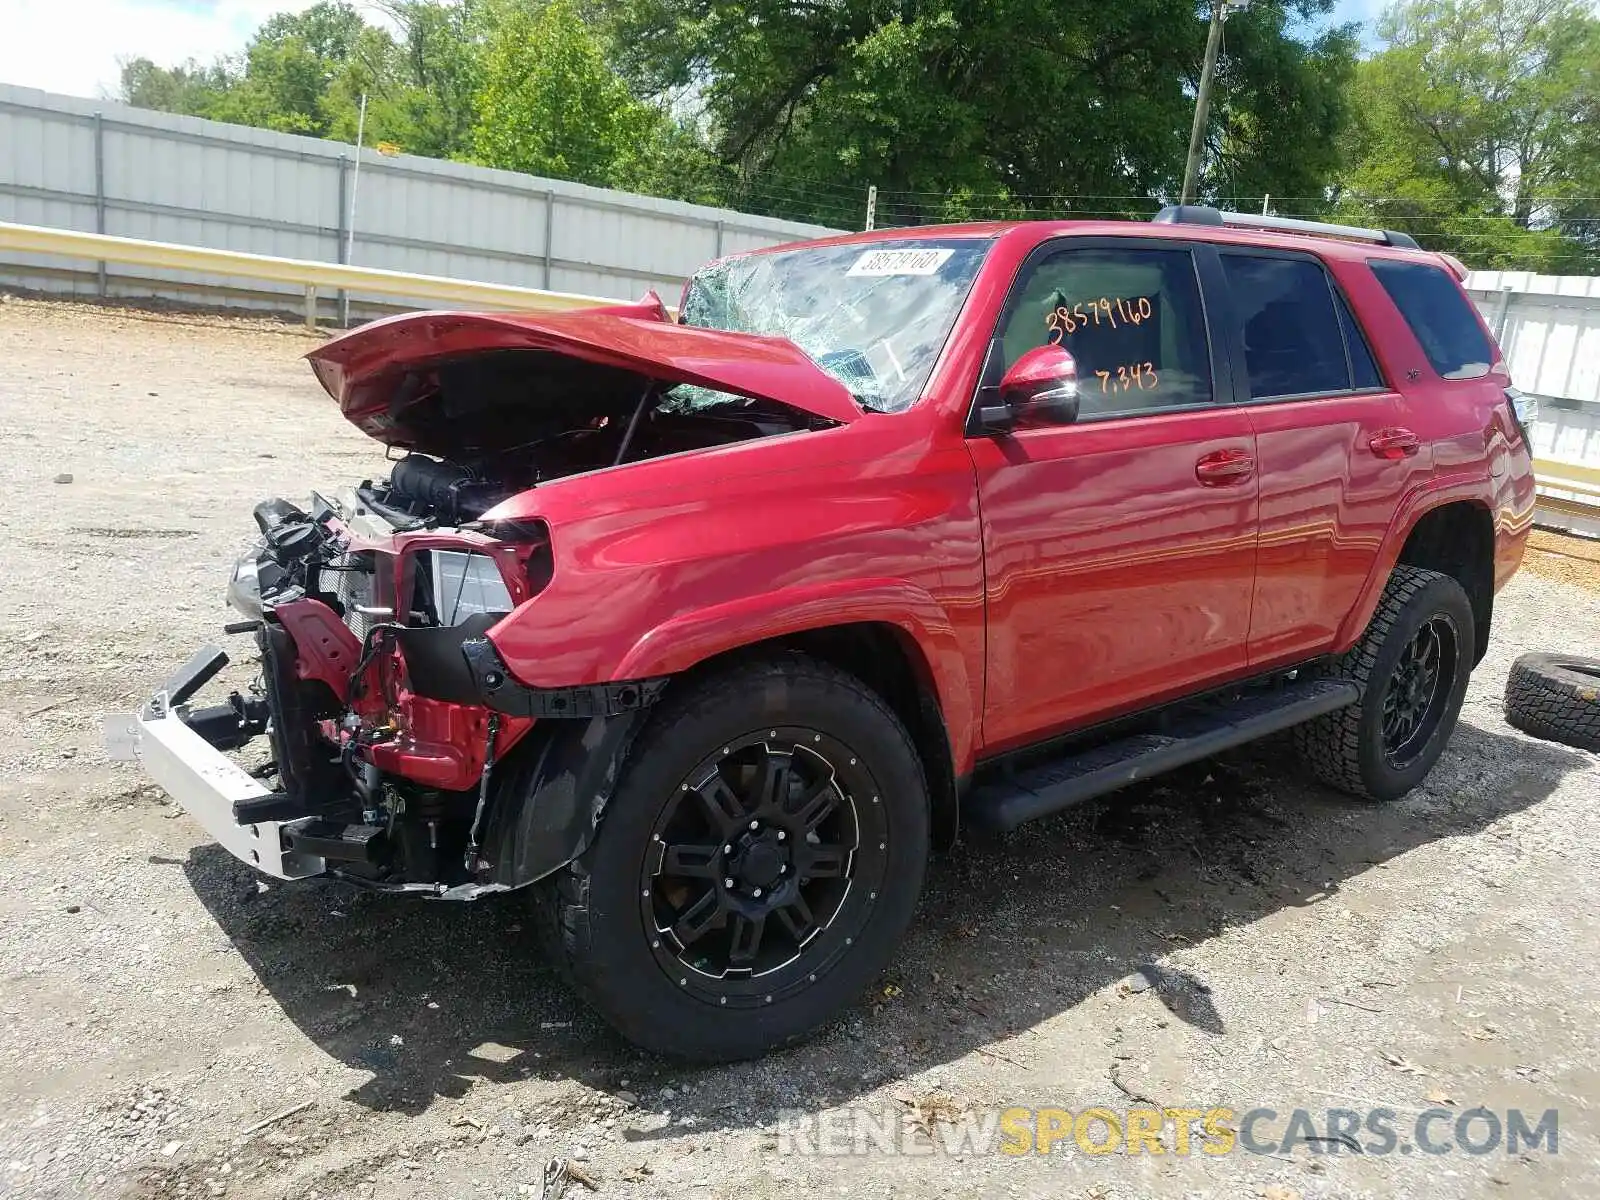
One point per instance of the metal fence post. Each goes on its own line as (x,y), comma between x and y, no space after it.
(721,229)
(549,232)
(1500,321)
(100,196)
(344,231)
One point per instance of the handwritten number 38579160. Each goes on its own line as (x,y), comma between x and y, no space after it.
(1063,321)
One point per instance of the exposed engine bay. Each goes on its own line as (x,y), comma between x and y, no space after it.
(483,428)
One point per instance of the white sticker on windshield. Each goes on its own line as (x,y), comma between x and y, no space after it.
(900,262)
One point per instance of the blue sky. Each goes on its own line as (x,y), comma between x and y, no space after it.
(1357,10)
(73,46)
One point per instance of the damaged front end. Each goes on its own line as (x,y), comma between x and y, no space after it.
(403,756)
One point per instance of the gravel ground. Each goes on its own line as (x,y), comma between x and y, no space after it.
(157,1000)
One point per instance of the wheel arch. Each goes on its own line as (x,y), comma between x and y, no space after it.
(1457,539)
(890,661)
(1448,529)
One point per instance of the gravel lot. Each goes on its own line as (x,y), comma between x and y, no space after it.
(157,1001)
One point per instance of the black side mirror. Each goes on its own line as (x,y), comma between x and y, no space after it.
(1041,387)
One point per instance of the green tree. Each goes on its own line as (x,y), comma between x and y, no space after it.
(986,106)
(1476,129)
(189,88)
(552,105)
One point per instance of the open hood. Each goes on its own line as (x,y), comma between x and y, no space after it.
(373,371)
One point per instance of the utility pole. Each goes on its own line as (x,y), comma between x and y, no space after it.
(1202,101)
(355,182)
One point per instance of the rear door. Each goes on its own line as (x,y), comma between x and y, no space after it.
(1333,449)
(1119,550)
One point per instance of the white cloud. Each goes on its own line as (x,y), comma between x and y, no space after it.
(72,46)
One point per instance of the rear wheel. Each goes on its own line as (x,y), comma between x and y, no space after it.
(1412,665)
(761,858)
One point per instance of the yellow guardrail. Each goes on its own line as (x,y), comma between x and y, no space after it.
(307,274)
(1569,477)
(1579,488)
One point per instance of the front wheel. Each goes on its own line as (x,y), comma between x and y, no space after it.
(1412,666)
(761,858)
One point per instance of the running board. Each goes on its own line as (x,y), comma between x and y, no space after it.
(1009,800)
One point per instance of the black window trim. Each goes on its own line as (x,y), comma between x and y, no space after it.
(1337,296)
(1202,259)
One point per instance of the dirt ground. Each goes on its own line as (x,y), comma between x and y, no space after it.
(158,1002)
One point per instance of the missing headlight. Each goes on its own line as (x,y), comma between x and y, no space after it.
(460,584)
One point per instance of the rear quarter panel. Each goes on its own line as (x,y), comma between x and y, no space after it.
(1471,450)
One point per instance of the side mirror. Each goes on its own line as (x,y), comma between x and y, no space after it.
(1040,387)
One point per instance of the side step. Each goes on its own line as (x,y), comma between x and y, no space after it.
(1009,800)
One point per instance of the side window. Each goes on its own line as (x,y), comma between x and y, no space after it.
(1363,368)
(1294,344)
(1439,315)
(1130,317)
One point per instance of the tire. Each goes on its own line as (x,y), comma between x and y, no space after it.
(1556,697)
(1364,749)
(787,739)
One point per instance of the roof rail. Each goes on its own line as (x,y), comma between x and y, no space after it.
(1200,214)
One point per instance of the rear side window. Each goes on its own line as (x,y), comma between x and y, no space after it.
(1132,319)
(1439,314)
(1294,342)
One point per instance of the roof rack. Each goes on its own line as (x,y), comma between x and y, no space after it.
(1200,214)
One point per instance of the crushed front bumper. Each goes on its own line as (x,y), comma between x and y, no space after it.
(204,781)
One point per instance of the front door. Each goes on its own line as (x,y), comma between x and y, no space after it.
(1119,550)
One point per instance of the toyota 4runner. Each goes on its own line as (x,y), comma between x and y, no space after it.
(706,629)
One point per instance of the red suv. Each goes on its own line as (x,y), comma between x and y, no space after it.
(710,628)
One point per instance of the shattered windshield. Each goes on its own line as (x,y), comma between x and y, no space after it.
(873,316)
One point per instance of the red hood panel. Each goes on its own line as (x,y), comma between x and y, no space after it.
(362,369)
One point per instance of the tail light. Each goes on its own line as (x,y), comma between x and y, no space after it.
(1524,411)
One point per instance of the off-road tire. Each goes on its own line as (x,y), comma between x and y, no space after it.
(587,914)
(1556,697)
(1345,749)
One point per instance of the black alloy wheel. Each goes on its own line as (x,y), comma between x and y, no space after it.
(1417,693)
(754,868)
(1411,667)
(764,863)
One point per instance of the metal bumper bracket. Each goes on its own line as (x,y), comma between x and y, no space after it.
(207,784)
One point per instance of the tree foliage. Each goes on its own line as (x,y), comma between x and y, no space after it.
(1015,105)
(1476,129)
(1475,124)
(552,105)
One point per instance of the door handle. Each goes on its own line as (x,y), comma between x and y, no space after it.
(1222,467)
(1394,443)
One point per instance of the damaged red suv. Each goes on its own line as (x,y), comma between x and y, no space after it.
(708,630)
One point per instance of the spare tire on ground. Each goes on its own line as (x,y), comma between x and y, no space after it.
(1556,697)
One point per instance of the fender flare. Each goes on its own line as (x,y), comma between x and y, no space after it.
(1413,506)
(690,638)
